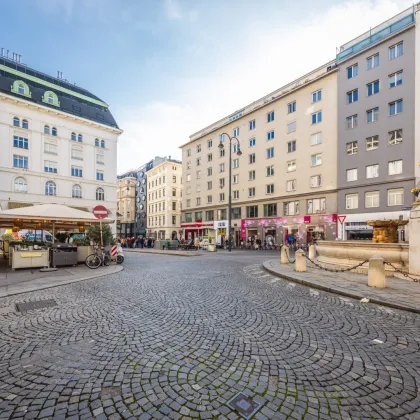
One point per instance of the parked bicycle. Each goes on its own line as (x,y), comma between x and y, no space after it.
(97,259)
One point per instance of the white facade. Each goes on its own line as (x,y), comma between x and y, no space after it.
(51,158)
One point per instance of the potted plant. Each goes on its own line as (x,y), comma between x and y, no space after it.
(7,238)
(416,192)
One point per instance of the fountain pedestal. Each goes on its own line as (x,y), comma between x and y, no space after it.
(386,231)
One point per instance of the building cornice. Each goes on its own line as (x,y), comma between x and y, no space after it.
(267,100)
(373,184)
(52,176)
(38,107)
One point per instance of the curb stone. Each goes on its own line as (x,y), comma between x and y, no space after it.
(117,269)
(338,291)
(162,252)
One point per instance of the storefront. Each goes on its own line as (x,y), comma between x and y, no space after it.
(221,228)
(197,230)
(296,230)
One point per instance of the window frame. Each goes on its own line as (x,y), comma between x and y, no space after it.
(393,191)
(352,195)
(374,195)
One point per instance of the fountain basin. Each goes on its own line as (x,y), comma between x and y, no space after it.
(344,254)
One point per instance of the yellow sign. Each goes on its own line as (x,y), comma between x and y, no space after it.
(30,254)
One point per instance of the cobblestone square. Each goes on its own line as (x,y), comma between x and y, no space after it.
(173,337)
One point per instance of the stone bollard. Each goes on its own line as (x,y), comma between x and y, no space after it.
(300,264)
(376,274)
(283,255)
(312,252)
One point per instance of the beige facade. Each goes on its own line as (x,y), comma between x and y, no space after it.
(285,181)
(164,189)
(126,200)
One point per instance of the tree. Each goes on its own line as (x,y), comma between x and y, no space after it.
(93,233)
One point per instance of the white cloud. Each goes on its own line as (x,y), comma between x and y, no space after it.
(261,61)
(172,9)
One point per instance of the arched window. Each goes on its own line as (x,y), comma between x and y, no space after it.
(80,138)
(76,191)
(50,188)
(16,122)
(20,185)
(21,88)
(25,124)
(100,194)
(73,136)
(46,129)
(103,144)
(50,98)
(54,131)
(97,142)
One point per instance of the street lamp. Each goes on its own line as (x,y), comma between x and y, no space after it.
(239,153)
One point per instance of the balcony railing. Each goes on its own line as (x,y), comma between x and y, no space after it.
(395,24)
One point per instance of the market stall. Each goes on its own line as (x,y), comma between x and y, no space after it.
(41,218)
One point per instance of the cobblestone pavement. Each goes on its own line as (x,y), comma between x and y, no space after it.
(171,337)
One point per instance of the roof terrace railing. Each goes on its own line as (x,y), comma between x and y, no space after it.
(376,34)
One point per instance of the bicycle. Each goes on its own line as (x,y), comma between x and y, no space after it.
(95,260)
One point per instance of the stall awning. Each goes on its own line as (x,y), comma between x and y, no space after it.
(61,215)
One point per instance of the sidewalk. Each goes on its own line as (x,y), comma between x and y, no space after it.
(399,294)
(189,253)
(22,281)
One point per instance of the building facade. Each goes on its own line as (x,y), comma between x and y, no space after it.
(376,126)
(164,183)
(58,142)
(284,185)
(126,204)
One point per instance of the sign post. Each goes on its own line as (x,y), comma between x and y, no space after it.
(100,212)
(341,219)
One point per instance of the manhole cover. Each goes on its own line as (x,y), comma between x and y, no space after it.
(243,405)
(38,304)
(109,392)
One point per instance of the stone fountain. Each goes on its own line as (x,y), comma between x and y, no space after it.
(385,243)
(386,231)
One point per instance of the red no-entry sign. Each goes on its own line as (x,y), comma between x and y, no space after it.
(100,212)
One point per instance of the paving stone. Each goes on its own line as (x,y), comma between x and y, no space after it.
(178,337)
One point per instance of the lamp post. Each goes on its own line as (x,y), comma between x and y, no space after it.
(239,153)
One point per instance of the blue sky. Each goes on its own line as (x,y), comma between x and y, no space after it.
(168,68)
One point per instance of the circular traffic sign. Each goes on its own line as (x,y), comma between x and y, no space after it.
(100,212)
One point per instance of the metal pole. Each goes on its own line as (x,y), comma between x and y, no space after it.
(100,227)
(230,194)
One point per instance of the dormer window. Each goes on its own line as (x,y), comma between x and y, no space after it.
(50,98)
(21,88)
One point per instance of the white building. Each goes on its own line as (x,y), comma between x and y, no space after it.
(58,143)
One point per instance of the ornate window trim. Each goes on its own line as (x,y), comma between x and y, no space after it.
(21,84)
(49,94)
